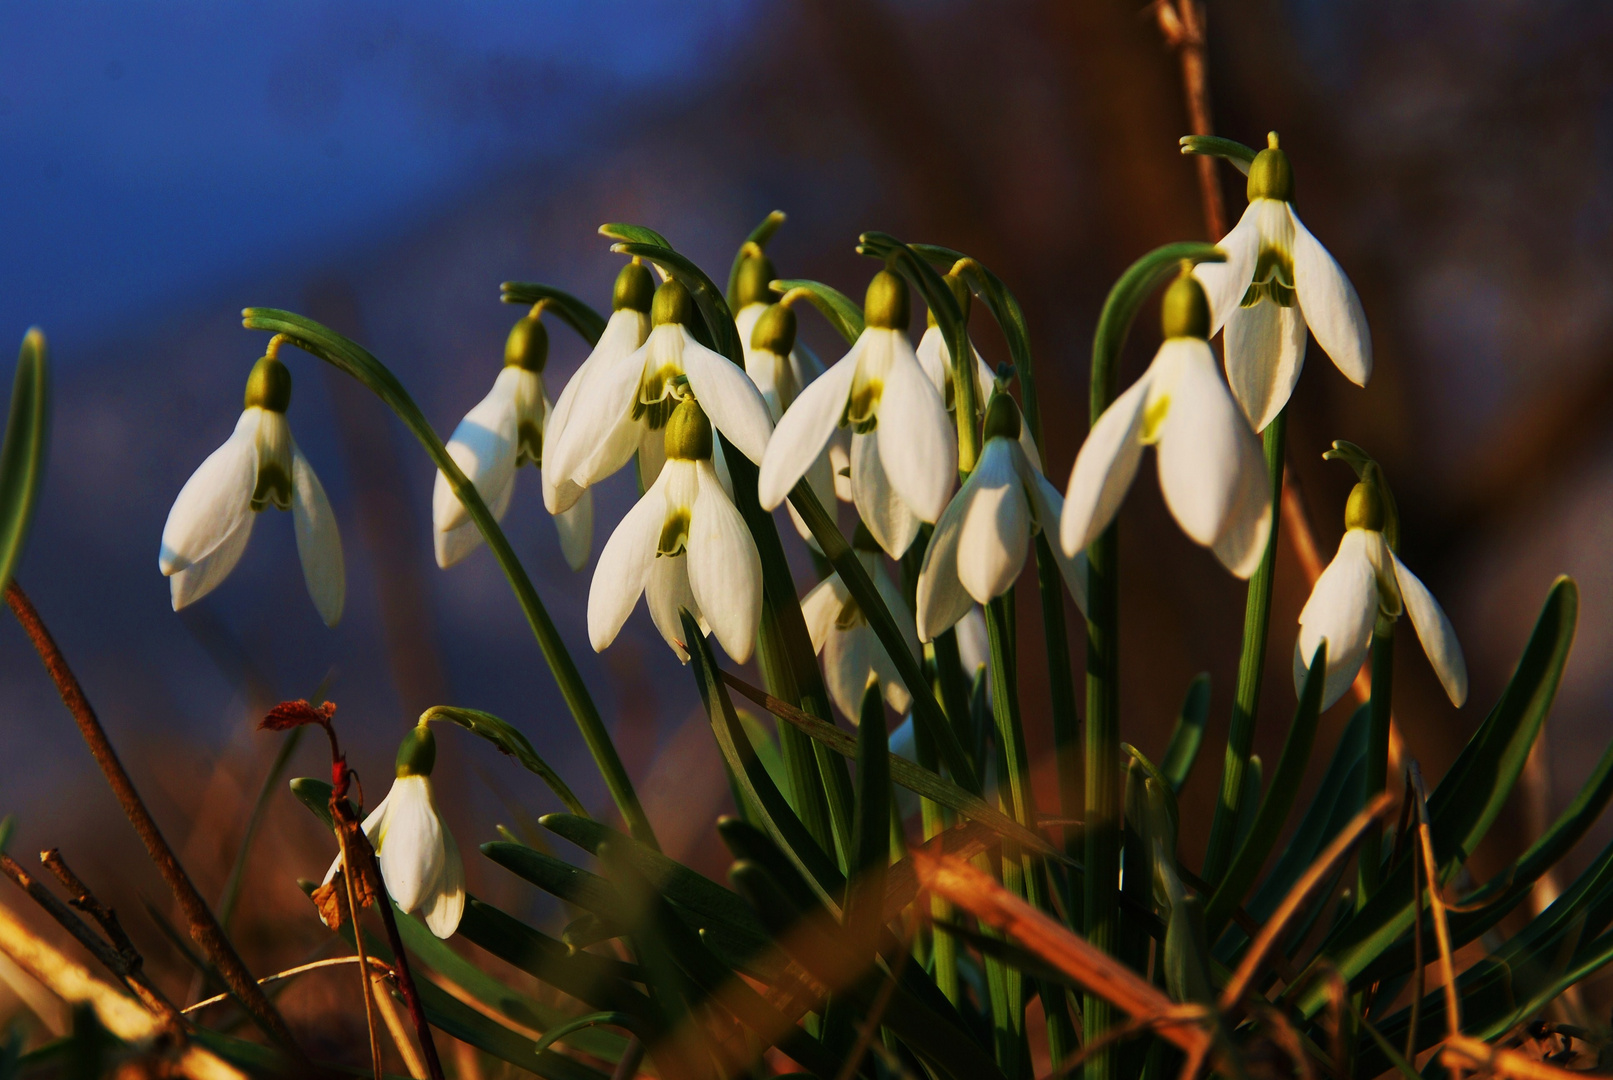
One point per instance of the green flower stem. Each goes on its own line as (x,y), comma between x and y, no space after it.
(1100,896)
(944,947)
(338,351)
(1251,668)
(800,762)
(1370,860)
(1061,684)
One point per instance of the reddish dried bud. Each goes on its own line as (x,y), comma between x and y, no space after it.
(290,714)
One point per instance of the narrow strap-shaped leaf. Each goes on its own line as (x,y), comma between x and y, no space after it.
(1276,803)
(908,774)
(596,980)
(576,313)
(22,456)
(1188,735)
(572,884)
(350,357)
(843,313)
(759,236)
(508,739)
(871,851)
(582,1023)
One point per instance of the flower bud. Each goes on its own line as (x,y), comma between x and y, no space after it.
(634,287)
(753,286)
(528,344)
(960,294)
(1002,418)
(886,304)
(1270,174)
(269,385)
(688,432)
(1185,311)
(417,753)
(1365,508)
(672,304)
(775,330)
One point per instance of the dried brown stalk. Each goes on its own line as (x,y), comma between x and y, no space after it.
(1464,1052)
(344,829)
(1436,903)
(204,928)
(381,968)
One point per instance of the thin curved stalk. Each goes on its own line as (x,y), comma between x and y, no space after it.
(352,358)
(1370,863)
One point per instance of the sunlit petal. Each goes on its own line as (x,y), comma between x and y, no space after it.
(215,502)
(411,848)
(446,904)
(1265,350)
(918,443)
(996,524)
(1342,608)
(805,429)
(736,408)
(1226,282)
(1104,469)
(888,517)
(1331,306)
(1435,632)
(624,567)
(1201,440)
(189,585)
(725,571)
(941,598)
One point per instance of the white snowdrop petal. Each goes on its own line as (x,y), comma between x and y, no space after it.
(839,452)
(821,479)
(1200,441)
(732,402)
(189,585)
(974,643)
(624,332)
(319,542)
(1242,543)
(215,501)
(1226,282)
(996,525)
(665,592)
(624,567)
(411,848)
(941,598)
(725,571)
(483,446)
(1342,608)
(821,607)
(848,660)
(890,520)
(579,432)
(804,430)
(934,356)
(1048,507)
(1104,468)
(445,906)
(1434,630)
(651,449)
(371,826)
(1331,307)
(917,440)
(1265,351)
(576,529)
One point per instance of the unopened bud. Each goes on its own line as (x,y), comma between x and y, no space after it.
(672,304)
(417,753)
(1185,311)
(528,344)
(269,385)
(1365,508)
(775,330)
(634,288)
(886,304)
(1270,174)
(688,432)
(754,284)
(1002,418)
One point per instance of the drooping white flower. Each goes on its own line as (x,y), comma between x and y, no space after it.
(1365,581)
(259,465)
(904,450)
(581,452)
(1277,280)
(625,406)
(504,431)
(852,653)
(683,545)
(420,862)
(1211,467)
(978,548)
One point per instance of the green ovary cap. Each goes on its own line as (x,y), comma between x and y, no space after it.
(1270,174)
(1185,311)
(1365,508)
(754,283)
(960,293)
(528,344)
(673,304)
(269,385)
(775,330)
(1002,418)
(886,305)
(634,288)
(417,753)
(688,432)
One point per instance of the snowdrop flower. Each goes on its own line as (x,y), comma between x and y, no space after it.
(503,432)
(259,465)
(1211,467)
(1366,582)
(904,449)
(575,454)
(1276,281)
(852,653)
(625,406)
(979,545)
(683,546)
(420,862)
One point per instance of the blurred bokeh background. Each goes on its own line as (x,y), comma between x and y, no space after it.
(383,167)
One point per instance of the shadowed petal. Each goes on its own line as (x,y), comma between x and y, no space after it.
(1342,608)
(1104,468)
(319,543)
(1265,350)
(821,607)
(410,848)
(624,567)
(1435,632)
(889,519)
(848,661)
(941,598)
(1226,282)
(801,435)
(665,592)
(729,398)
(189,585)
(996,524)
(1047,510)
(1242,543)
(446,904)
(576,528)
(725,571)
(917,441)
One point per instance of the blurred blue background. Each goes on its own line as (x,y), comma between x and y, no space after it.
(382,167)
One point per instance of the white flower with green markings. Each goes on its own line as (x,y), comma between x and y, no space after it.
(852,653)
(1366,582)
(258,466)
(904,447)
(1211,468)
(979,546)
(420,862)
(504,431)
(684,545)
(1277,280)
